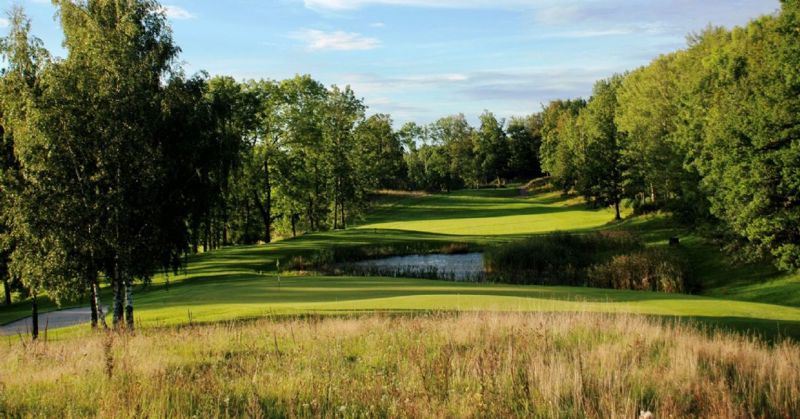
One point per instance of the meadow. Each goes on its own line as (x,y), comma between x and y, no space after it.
(434,365)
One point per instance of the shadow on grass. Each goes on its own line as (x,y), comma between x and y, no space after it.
(476,204)
(772,331)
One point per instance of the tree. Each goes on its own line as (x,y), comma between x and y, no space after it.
(491,149)
(109,90)
(524,141)
(602,169)
(648,117)
(29,251)
(304,174)
(381,153)
(342,113)
(750,155)
(561,139)
(457,139)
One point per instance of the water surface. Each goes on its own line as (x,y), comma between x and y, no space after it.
(465,267)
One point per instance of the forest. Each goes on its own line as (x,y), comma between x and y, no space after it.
(116,165)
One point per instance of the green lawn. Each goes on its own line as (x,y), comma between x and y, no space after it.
(241,282)
(488,212)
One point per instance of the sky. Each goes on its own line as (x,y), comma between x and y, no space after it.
(420,60)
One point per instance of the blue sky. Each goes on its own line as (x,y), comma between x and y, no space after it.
(422,59)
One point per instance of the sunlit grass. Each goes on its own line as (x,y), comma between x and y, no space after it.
(435,365)
(489,212)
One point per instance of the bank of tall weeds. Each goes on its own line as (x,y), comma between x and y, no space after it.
(606,259)
(467,365)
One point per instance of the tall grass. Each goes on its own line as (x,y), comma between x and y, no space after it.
(463,365)
(557,258)
(661,270)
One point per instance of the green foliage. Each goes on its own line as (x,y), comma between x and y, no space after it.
(491,149)
(709,133)
(524,141)
(380,153)
(601,180)
(750,155)
(562,141)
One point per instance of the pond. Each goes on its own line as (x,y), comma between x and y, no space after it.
(464,267)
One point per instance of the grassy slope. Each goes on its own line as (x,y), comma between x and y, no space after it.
(488,212)
(229,284)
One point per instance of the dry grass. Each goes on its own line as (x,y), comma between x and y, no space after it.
(468,365)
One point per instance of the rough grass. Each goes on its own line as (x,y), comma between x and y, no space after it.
(466,365)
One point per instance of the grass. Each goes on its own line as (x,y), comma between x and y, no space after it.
(488,212)
(240,282)
(232,337)
(436,365)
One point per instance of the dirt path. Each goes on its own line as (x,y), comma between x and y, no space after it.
(51,320)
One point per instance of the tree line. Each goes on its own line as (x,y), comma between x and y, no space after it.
(115,164)
(710,133)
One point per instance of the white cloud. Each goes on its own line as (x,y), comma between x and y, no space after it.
(377,25)
(177,13)
(4,22)
(317,40)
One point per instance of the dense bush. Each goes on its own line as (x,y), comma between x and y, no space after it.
(662,270)
(556,259)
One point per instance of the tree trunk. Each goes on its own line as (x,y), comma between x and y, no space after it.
(294,225)
(311,216)
(34,318)
(119,301)
(207,234)
(93,304)
(7,289)
(264,217)
(97,305)
(616,208)
(335,212)
(344,217)
(247,221)
(129,304)
(195,240)
(268,206)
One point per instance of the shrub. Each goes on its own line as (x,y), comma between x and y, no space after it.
(662,270)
